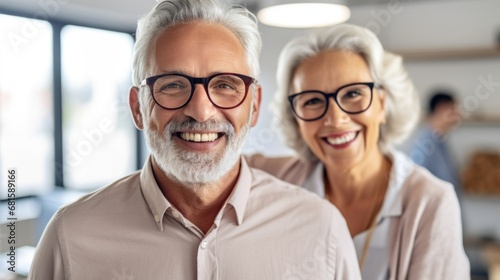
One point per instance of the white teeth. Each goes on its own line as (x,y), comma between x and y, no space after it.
(348,137)
(198,137)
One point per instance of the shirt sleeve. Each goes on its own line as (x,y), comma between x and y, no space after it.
(345,261)
(48,262)
(438,252)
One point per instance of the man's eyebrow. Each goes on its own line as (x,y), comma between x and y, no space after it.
(187,74)
(173,72)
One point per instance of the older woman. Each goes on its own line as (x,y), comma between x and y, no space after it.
(342,102)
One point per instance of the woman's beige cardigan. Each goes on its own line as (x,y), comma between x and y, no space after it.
(426,240)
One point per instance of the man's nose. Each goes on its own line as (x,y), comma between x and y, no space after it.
(200,107)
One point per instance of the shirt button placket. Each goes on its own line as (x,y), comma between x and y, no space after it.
(207,261)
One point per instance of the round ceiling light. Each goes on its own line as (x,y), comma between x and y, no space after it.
(303,14)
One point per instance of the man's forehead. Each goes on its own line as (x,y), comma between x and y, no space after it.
(191,46)
(198,32)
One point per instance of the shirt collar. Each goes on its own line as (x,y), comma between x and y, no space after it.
(155,199)
(158,204)
(402,166)
(241,191)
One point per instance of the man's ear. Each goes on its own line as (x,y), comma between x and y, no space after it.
(135,107)
(256,105)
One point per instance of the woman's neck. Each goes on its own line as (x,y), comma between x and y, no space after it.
(348,185)
(358,192)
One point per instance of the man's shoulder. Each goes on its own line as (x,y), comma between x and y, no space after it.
(269,190)
(103,199)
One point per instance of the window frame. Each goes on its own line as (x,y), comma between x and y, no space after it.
(57,113)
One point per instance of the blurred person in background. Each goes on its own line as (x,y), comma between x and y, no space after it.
(342,102)
(429,147)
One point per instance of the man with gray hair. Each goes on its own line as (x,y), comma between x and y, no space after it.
(196,210)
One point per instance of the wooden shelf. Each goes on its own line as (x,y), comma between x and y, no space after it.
(477,120)
(451,54)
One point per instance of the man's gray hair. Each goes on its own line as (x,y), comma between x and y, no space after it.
(401,103)
(168,13)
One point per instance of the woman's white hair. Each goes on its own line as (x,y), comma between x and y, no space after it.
(168,13)
(401,103)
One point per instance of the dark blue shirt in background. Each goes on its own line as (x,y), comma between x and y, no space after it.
(430,150)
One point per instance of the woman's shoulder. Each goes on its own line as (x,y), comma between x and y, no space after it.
(429,229)
(423,189)
(424,181)
(291,169)
(416,182)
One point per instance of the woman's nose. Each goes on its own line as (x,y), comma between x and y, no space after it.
(335,116)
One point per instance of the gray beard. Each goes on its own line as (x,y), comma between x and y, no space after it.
(189,168)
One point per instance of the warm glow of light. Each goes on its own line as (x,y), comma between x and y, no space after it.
(304,15)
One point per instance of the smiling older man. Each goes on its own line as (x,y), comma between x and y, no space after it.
(196,210)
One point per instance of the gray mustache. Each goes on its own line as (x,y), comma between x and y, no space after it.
(191,124)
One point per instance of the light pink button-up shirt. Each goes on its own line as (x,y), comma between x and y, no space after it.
(268,229)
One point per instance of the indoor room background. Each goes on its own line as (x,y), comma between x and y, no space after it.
(65,76)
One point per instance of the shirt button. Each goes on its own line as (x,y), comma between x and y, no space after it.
(176,214)
(204,244)
(157,218)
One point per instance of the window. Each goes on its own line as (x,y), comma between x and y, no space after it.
(26,114)
(98,133)
(95,138)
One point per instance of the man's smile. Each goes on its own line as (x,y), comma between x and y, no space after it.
(199,137)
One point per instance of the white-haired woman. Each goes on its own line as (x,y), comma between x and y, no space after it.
(342,102)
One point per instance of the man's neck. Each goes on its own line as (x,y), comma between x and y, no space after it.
(201,203)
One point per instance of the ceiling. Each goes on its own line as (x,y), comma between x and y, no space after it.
(115,14)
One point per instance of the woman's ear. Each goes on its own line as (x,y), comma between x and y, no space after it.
(135,107)
(381,97)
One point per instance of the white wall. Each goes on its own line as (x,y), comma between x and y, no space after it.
(430,25)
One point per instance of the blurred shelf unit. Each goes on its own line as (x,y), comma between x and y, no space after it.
(480,176)
(482,121)
(492,52)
